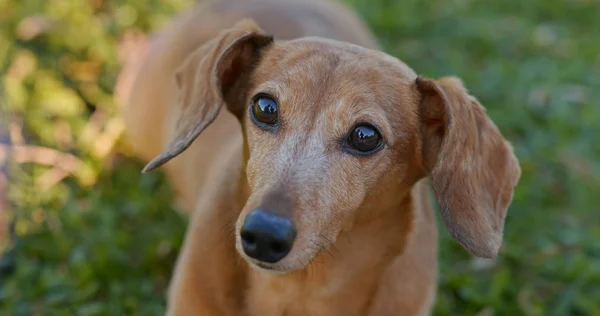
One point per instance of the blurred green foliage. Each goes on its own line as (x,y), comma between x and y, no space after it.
(104,241)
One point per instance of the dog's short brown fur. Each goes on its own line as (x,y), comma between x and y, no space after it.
(366,237)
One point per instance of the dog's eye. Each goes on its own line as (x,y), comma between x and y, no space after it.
(365,139)
(264,109)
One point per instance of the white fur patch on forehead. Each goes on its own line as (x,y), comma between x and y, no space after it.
(301,159)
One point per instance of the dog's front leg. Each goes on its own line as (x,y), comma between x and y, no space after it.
(208,278)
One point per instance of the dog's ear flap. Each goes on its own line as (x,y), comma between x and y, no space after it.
(209,78)
(472,168)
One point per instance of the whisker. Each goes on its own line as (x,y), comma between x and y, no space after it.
(328,245)
(310,266)
(316,247)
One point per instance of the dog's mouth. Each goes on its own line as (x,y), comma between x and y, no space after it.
(264,266)
(295,261)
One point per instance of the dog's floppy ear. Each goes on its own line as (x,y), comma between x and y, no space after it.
(472,168)
(209,78)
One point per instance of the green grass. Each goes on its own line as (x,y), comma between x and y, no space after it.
(103,241)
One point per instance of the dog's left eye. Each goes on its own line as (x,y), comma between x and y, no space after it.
(265,110)
(364,139)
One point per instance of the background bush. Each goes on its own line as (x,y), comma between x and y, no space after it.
(103,240)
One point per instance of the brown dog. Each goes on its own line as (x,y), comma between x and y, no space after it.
(303,158)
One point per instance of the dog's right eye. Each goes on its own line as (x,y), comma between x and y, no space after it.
(364,139)
(264,110)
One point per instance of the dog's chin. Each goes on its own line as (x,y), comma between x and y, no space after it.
(277,268)
(267,268)
(285,266)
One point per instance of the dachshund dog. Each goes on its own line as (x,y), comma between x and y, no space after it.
(303,154)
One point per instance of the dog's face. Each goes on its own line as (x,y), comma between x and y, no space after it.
(332,129)
(327,124)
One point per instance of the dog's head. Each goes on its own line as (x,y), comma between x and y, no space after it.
(334,131)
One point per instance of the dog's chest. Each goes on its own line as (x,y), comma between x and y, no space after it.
(305,296)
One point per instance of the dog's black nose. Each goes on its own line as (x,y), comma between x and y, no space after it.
(267,237)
